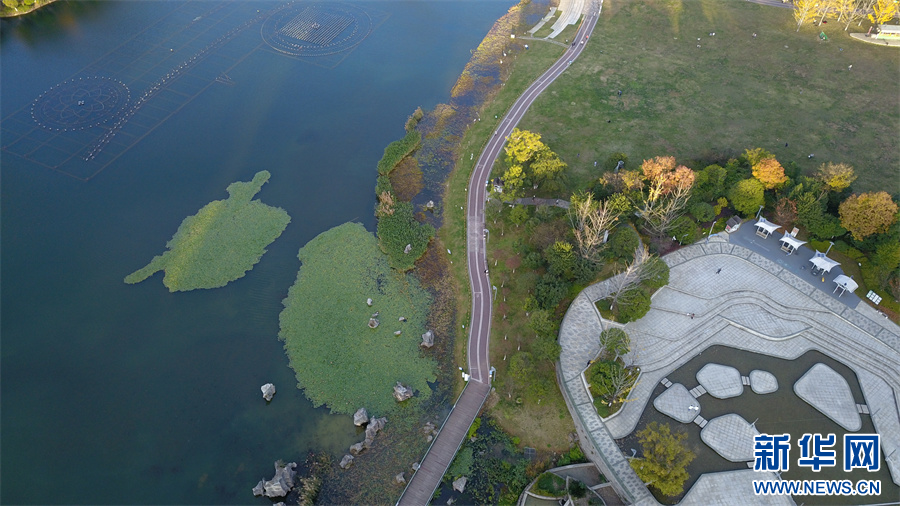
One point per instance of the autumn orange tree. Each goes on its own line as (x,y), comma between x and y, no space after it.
(765,168)
(867,213)
(665,193)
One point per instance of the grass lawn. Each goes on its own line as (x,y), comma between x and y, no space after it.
(733,92)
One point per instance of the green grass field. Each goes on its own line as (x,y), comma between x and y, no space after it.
(733,92)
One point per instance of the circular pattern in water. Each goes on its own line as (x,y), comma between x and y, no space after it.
(316,29)
(80,103)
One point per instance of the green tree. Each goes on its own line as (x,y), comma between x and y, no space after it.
(747,195)
(519,215)
(657,274)
(622,243)
(633,305)
(614,342)
(710,183)
(867,213)
(550,290)
(685,230)
(702,211)
(561,259)
(665,458)
(547,167)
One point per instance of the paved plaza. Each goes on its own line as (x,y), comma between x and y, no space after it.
(826,390)
(745,299)
(678,403)
(720,381)
(730,436)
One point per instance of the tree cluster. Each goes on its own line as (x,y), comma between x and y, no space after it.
(845,11)
(531,163)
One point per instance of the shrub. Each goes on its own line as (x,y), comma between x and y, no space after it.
(659,275)
(400,228)
(622,243)
(577,489)
(720,225)
(550,290)
(634,305)
(383,185)
(703,212)
(684,230)
(550,485)
(613,161)
(462,464)
(398,150)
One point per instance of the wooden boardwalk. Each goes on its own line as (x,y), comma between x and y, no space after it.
(425,481)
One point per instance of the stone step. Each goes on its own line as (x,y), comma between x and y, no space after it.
(745,380)
(698,391)
(862,409)
(700,421)
(666,383)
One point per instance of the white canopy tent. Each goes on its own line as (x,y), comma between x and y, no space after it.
(789,243)
(845,284)
(820,261)
(765,227)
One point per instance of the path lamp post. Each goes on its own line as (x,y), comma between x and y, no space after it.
(830,244)
(710,231)
(757,212)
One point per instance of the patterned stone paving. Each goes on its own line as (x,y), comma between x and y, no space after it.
(763,382)
(826,390)
(720,381)
(677,403)
(730,436)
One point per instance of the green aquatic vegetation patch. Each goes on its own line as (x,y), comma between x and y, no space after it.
(338,360)
(220,243)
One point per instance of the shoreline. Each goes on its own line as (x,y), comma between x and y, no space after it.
(15,14)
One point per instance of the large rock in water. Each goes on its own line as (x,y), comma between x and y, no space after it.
(460,484)
(361,417)
(401,392)
(428,339)
(268,391)
(357,448)
(280,485)
(347,461)
(375,425)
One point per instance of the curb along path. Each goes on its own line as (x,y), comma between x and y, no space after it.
(425,481)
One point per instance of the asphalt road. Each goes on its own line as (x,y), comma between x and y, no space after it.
(480,324)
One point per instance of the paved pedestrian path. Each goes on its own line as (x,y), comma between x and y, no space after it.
(739,298)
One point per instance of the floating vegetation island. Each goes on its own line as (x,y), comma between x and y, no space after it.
(220,243)
(338,359)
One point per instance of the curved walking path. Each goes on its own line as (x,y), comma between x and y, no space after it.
(739,298)
(426,479)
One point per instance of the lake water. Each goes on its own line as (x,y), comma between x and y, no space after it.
(113,393)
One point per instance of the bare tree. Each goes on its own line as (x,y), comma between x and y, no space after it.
(643,267)
(804,10)
(614,341)
(668,189)
(620,381)
(590,221)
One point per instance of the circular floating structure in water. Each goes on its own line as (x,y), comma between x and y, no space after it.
(80,103)
(316,29)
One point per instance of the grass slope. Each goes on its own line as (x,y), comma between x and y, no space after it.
(338,360)
(220,243)
(733,92)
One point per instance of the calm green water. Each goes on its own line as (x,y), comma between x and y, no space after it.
(114,393)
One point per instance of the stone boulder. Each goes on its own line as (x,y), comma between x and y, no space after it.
(373,323)
(375,425)
(369,302)
(460,484)
(416,466)
(346,462)
(401,392)
(429,205)
(407,249)
(268,391)
(280,485)
(357,448)
(400,478)
(397,333)
(361,417)
(428,339)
